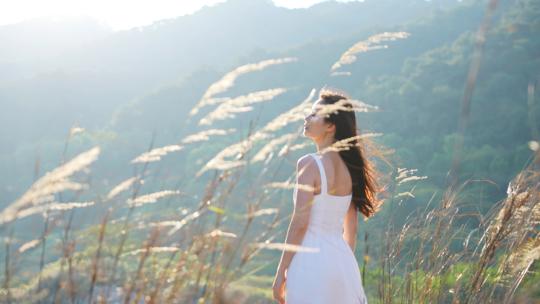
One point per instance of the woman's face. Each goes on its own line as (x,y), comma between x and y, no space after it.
(314,125)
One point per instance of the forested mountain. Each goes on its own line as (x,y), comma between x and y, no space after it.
(95,72)
(417,82)
(80,73)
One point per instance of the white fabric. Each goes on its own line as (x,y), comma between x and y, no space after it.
(331,275)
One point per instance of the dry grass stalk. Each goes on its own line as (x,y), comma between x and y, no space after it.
(53,207)
(240,104)
(219,162)
(345,105)
(154,249)
(178,224)
(95,262)
(133,286)
(52,182)
(228,80)
(265,151)
(28,245)
(156,154)
(289,185)
(124,232)
(218,233)
(432,231)
(123,186)
(260,212)
(347,143)
(295,114)
(295,147)
(205,135)
(514,229)
(75,130)
(21,295)
(151,197)
(372,43)
(285,247)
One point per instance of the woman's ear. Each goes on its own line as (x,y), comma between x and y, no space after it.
(332,127)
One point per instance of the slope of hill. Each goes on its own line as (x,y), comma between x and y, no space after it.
(131,63)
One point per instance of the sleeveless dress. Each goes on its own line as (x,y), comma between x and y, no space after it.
(330,275)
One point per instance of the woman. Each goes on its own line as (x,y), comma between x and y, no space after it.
(332,186)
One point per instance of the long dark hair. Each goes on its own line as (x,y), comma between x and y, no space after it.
(362,171)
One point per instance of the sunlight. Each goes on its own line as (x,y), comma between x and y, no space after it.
(119,14)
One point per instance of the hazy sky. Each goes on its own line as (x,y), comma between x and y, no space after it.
(118,14)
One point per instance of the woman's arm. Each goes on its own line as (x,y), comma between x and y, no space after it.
(303,199)
(350,226)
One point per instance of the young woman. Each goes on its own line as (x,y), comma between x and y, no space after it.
(332,186)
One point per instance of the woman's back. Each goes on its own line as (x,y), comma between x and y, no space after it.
(331,273)
(328,211)
(337,175)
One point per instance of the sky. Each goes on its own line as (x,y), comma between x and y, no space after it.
(117,14)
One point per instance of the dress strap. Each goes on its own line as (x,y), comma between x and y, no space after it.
(324,187)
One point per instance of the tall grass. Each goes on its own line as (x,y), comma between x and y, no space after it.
(189,259)
(445,263)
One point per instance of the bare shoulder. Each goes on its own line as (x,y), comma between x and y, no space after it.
(306,166)
(304,161)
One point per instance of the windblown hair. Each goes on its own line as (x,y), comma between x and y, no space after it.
(362,171)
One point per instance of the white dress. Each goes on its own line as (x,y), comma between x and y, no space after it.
(331,275)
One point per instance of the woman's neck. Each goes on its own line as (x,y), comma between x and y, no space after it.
(324,144)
